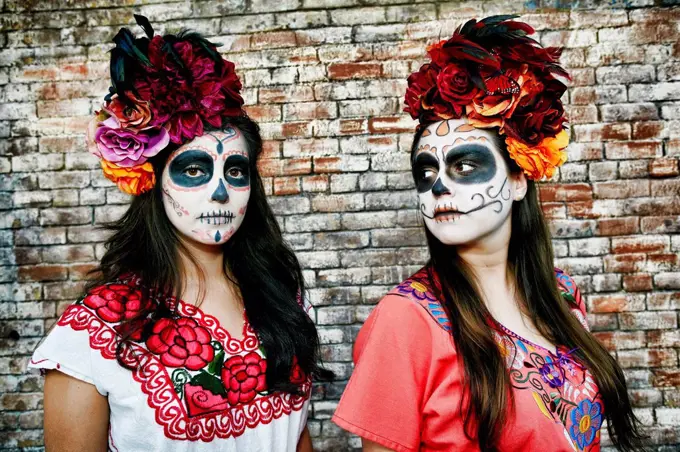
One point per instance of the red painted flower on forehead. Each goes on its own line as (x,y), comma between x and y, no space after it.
(492,72)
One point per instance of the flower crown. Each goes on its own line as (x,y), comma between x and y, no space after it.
(494,74)
(163,89)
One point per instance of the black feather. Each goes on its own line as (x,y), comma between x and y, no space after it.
(125,41)
(145,24)
(467,28)
(493,20)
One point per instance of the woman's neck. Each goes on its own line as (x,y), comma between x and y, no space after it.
(208,258)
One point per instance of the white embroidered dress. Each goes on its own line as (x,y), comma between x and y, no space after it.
(195,389)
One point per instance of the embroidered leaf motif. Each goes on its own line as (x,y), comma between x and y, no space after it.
(179,378)
(569,297)
(209,383)
(215,367)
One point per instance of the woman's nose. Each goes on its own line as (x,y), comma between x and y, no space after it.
(220,194)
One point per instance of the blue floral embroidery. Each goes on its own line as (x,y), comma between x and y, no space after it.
(586,421)
(565,281)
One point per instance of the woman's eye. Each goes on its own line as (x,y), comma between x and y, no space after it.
(193,171)
(235,172)
(427,173)
(465,167)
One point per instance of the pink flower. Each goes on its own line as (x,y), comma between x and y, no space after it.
(124,147)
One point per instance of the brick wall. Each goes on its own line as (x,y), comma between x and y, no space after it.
(325,80)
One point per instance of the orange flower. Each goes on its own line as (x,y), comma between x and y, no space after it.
(541,160)
(134,180)
(132,118)
(504,104)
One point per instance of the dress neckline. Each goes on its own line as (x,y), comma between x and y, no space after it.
(212,323)
(509,332)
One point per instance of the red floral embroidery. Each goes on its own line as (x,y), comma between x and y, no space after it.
(116,302)
(244,377)
(297,376)
(195,412)
(181,343)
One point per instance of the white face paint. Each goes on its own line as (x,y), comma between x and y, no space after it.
(464,187)
(206,186)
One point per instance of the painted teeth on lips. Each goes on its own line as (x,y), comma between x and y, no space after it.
(217,217)
(446,212)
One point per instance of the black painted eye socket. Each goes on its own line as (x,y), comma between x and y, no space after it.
(237,170)
(470,164)
(191,168)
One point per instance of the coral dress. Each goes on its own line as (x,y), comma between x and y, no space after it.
(194,388)
(406,389)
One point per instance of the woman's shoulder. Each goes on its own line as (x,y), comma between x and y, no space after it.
(421,289)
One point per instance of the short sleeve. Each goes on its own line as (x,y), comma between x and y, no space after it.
(570,290)
(68,351)
(384,398)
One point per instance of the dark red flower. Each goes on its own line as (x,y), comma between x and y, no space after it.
(543,118)
(456,87)
(184,126)
(420,84)
(297,375)
(244,376)
(181,343)
(116,302)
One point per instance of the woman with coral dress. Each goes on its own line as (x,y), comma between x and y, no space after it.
(193,335)
(486,348)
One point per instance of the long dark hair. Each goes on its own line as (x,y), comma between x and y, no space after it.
(530,259)
(256,258)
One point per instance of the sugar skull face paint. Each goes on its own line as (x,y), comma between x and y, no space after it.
(464,187)
(206,186)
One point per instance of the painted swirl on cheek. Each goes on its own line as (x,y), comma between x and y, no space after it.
(189,160)
(240,163)
(425,168)
(479,159)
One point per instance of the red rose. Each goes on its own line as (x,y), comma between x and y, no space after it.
(419,85)
(116,302)
(181,343)
(244,376)
(456,87)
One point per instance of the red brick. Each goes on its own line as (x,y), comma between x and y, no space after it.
(602,132)
(270,149)
(344,71)
(43,273)
(315,183)
(399,124)
(284,167)
(664,167)
(665,339)
(286,185)
(637,283)
(82,272)
(661,262)
(352,126)
(666,378)
(673,148)
(617,303)
(621,189)
(292,93)
(310,110)
(273,39)
(566,192)
(624,263)
(633,150)
(553,210)
(621,340)
(340,164)
(647,130)
(264,113)
(296,129)
(647,358)
(640,244)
